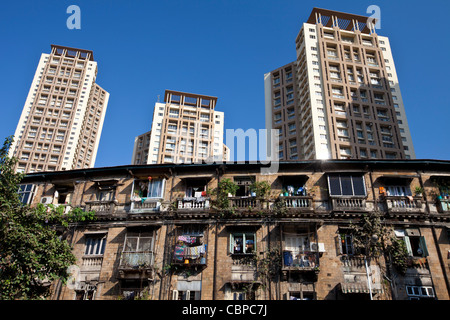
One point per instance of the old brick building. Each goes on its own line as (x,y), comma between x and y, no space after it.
(160,235)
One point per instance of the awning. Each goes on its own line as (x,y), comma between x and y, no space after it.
(357,287)
(389,177)
(92,232)
(104,182)
(290,178)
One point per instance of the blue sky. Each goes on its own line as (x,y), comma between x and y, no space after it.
(219,48)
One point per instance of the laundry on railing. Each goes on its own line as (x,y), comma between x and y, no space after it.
(181,252)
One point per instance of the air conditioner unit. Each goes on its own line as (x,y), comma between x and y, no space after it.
(46,200)
(320,247)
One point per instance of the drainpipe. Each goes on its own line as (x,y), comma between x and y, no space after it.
(268,246)
(368,277)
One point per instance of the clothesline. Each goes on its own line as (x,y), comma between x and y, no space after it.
(182,251)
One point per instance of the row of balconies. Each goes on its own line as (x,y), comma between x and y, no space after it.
(294,204)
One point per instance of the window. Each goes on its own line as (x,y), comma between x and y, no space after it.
(415,243)
(345,242)
(26,193)
(420,293)
(154,188)
(138,249)
(398,191)
(95,244)
(105,195)
(187,290)
(298,249)
(196,188)
(242,243)
(346,185)
(244,185)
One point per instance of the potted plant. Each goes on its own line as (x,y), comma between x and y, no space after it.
(418,191)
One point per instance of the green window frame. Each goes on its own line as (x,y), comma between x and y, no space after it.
(243,243)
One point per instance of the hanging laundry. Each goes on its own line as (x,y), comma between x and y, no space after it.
(179,252)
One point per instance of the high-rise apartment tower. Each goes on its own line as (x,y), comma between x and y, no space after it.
(185,129)
(62,119)
(341,98)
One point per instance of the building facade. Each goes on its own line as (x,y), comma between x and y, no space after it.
(62,119)
(160,234)
(186,128)
(341,98)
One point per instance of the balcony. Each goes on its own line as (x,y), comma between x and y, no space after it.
(243,271)
(348,204)
(297,203)
(443,204)
(190,250)
(300,261)
(101,207)
(244,203)
(134,260)
(401,204)
(193,203)
(135,265)
(145,206)
(91,263)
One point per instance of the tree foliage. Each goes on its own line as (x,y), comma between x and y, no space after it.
(221,202)
(374,238)
(32,252)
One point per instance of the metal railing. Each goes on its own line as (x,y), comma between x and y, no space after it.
(133,260)
(300,260)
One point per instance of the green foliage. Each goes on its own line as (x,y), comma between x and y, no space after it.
(221,201)
(270,265)
(32,253)
(370,235)
(374,238)
(279,207)
(261,188)
(398,254)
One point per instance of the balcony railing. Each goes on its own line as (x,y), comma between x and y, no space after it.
(145,206)
(349,204)
(403,204)
(190,255)
(295,202)
(300,260)
(101,207)
(135,260)
(244,202)
(192,203)
(92,263)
